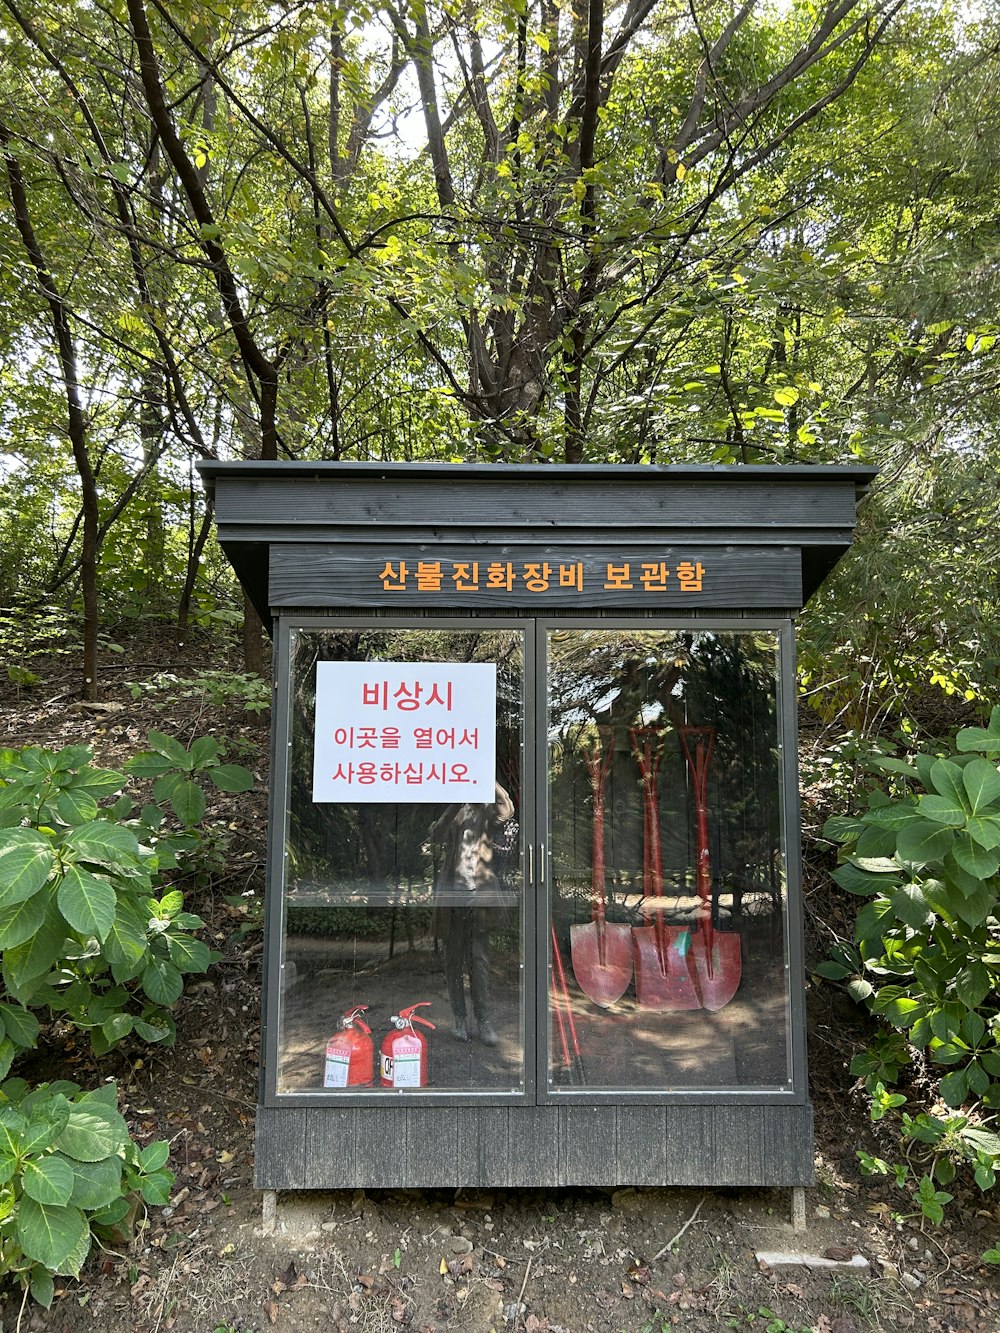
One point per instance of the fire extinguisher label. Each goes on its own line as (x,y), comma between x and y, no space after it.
(387,1069)
(406,1063)
(337,1068)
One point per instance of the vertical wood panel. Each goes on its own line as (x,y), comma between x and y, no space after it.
(483,1143)
(590,1144)
(279,1150)
(642,1145)
(332,1146)
(431,1148)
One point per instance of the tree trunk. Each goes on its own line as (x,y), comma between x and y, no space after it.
(76,418)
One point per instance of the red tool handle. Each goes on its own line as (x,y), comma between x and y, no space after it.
(697,744)
(598,767)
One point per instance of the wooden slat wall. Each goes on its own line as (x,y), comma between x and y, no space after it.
(533,1146)
(479,502)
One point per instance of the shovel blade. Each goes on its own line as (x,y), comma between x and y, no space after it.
(719,974)
(664,983)
(603,969)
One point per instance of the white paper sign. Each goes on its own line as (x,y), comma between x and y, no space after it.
(405,732)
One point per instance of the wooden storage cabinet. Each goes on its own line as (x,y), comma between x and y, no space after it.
(534,770)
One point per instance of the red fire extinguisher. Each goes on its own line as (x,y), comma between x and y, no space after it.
(350,1053)
(404,1051)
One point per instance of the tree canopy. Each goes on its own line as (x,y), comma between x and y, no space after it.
(646,233)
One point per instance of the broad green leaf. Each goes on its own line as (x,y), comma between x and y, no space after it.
(117,1028)
(943,810)
(875,844)
(859,989)
(982,783)
(155,1188)
(155,1027)
(77,1257)
(833,971)
(20,921)
(42,1286)
(973,984)
(170,904)
(946,1021)
(841,828)
(170,749)
(51,1234)
(188,954)
(923,841)
(103,843)
(8,1053)
(188,801)
(20,1024)
(892,816)
(977,1078)
(163,788)
(973,1027)
(87,903)
(855,880)
(976,738)
(148,765)
(126,946)
(910,906)
(946,779)
(76,806)
(954,1088)
(96,1184)
(974,908)
(10,1160)
(112,1214)
(26,858)
(162,982)
(203,751)
(975,858)
(233,778)
(48,1179)
(985,830)
(98,781)
(154,1155)
(94,1131)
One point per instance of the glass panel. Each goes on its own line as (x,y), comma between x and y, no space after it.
(403,866)
(668,886)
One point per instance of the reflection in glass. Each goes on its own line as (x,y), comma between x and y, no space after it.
(390,904)
(667,933)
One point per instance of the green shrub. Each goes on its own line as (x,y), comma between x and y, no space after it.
(67,1170)
(90,932)
(926,951)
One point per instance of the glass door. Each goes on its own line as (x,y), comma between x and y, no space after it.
(666,867)
(402,933)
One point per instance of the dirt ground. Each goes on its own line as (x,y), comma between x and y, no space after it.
(581,1261)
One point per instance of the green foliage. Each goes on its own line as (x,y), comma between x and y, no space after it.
(90,931)
(927,958)
(85,930)
(926,955)
(220,689)
(68,1169)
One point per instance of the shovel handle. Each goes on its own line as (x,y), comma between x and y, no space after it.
(598,764)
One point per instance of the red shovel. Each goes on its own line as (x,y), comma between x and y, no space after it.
(601,952)
(664,971)
(718,958)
